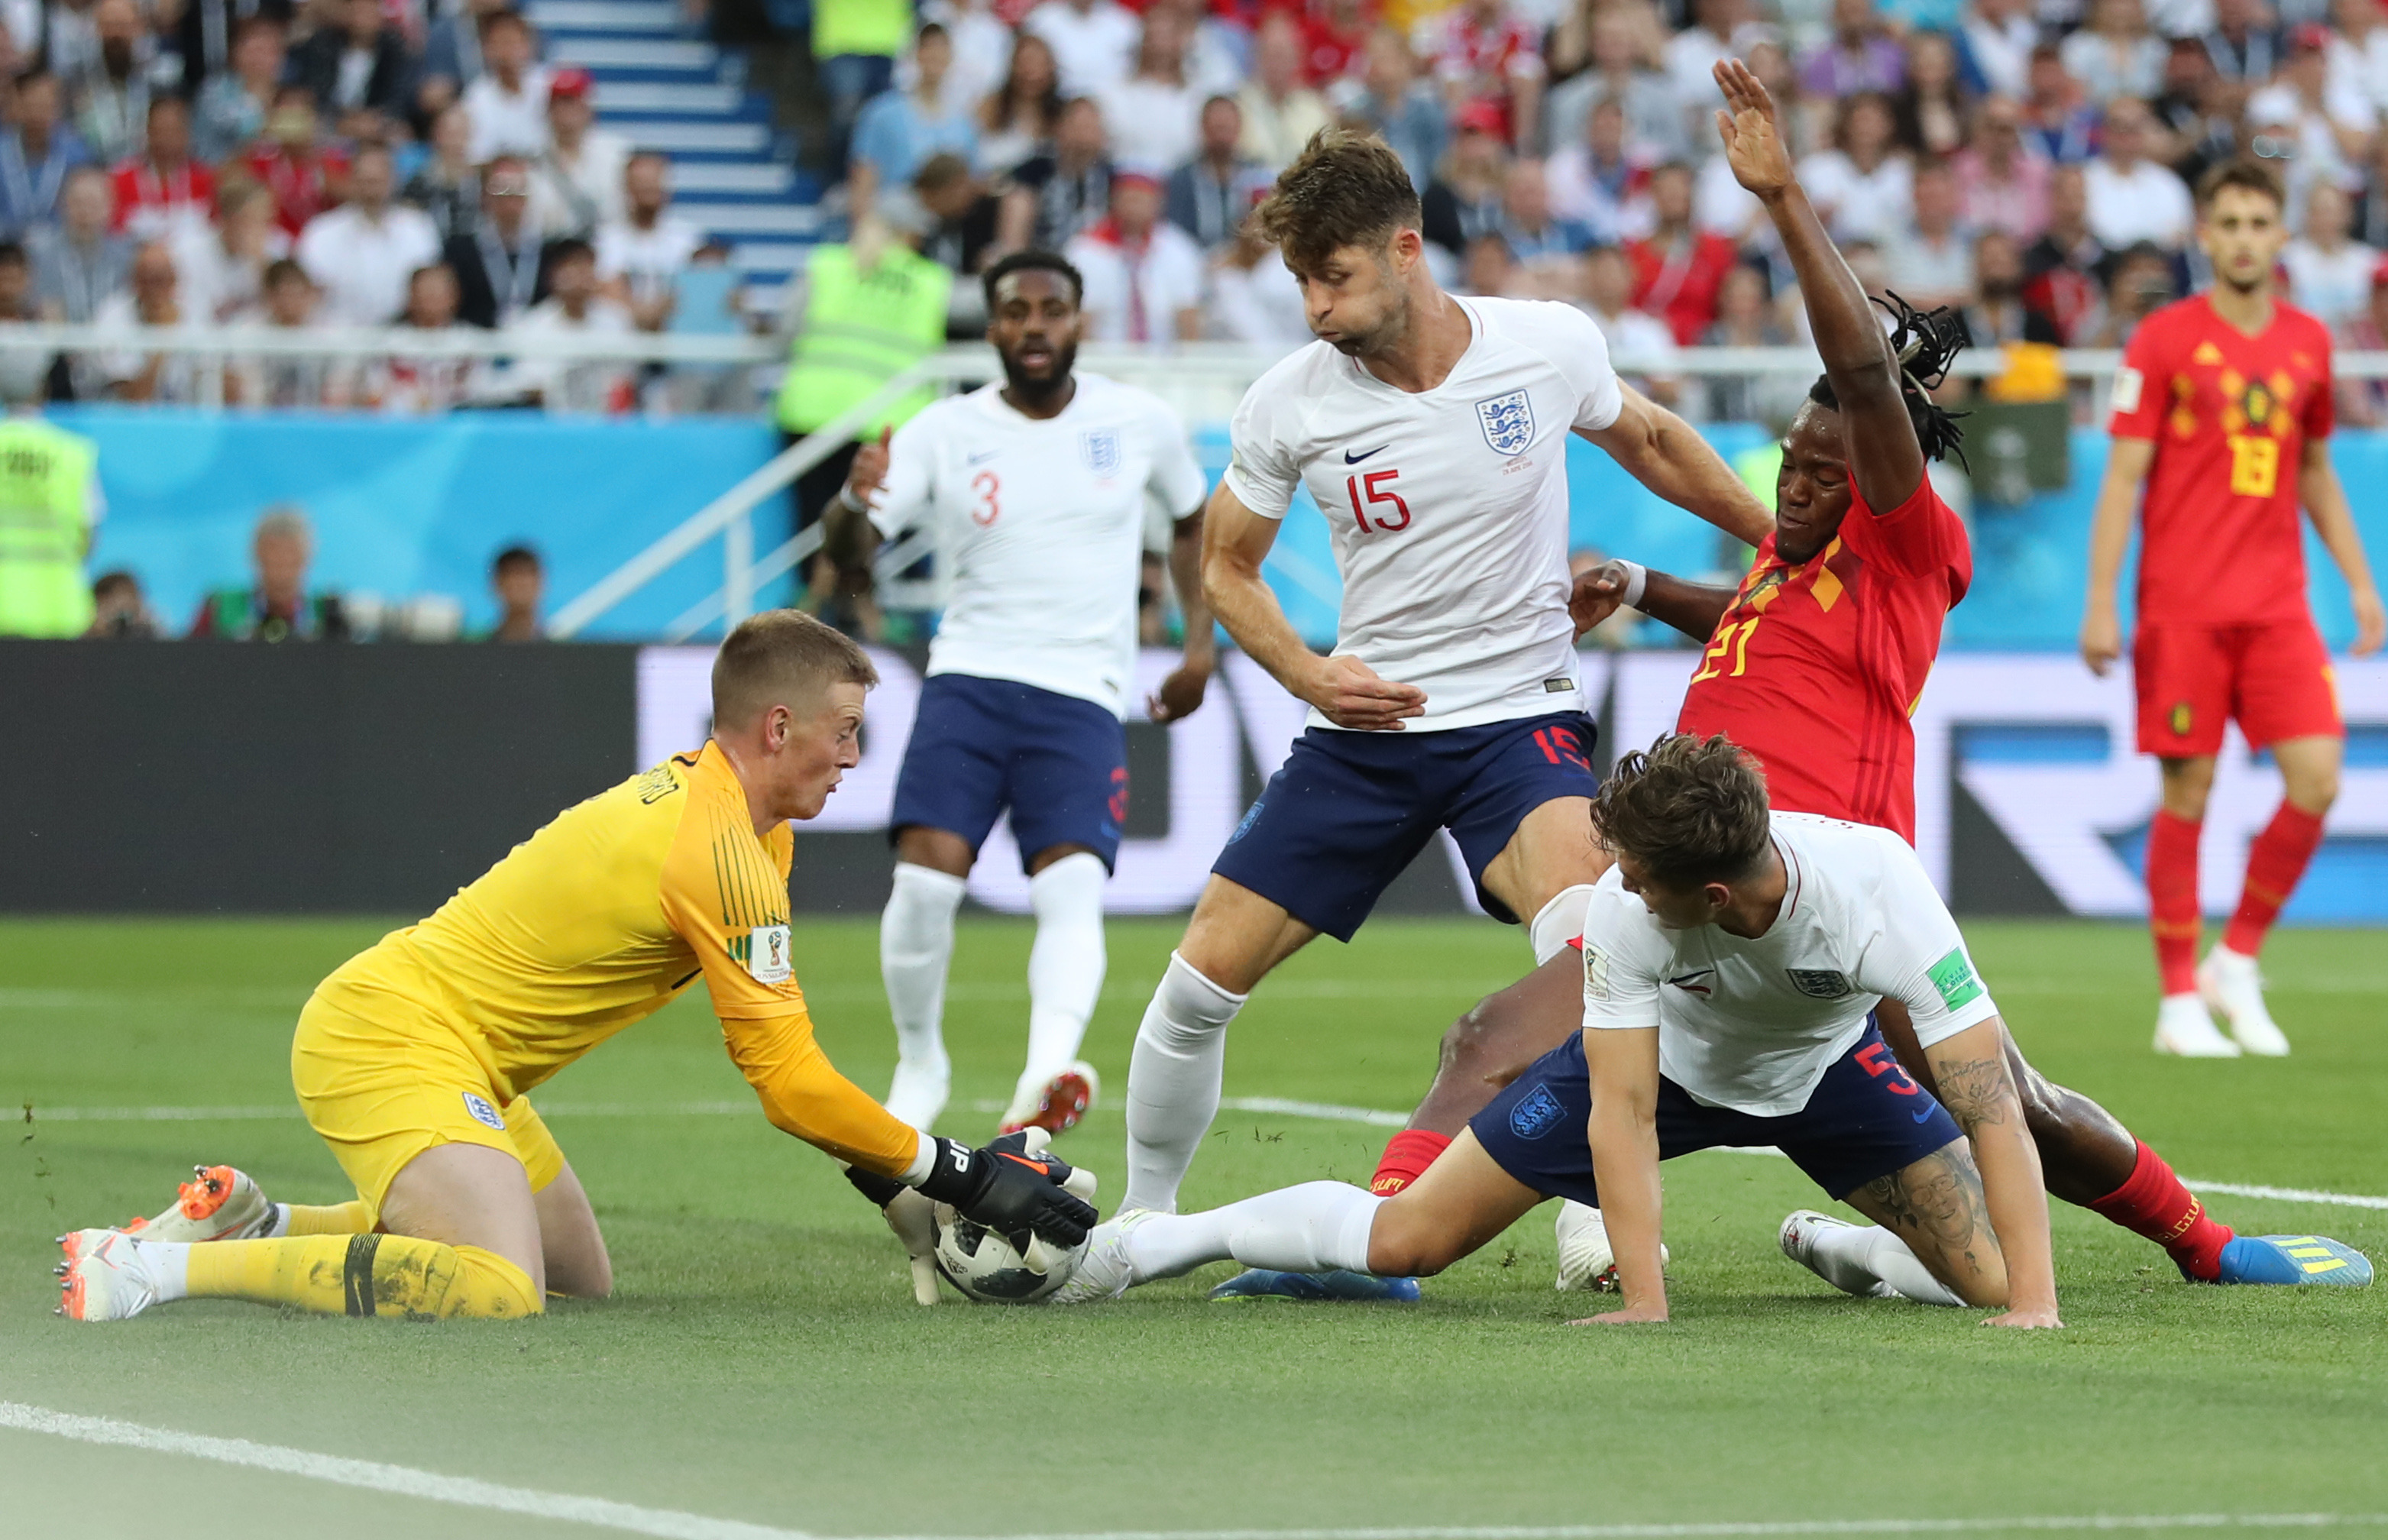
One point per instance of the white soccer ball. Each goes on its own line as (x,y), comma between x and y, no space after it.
(988,1269)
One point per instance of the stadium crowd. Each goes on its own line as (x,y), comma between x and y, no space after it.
(249,164)
(2029,161)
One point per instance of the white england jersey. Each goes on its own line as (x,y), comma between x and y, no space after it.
(1448,507)
(1040,525)
(1754,1024)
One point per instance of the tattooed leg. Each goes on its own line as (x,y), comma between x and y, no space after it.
(1935,1210)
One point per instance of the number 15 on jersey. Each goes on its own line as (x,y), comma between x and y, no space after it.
(1375,492)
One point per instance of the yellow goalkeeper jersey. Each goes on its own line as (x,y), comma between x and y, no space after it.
(597,922)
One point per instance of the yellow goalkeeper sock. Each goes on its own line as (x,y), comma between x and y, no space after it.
(363,1275)
(353,1217)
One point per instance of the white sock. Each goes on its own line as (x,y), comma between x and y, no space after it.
(1066,966)
(1172,1082)
(1560,922)
(1853,1258)
(916,946)
(1312,1229)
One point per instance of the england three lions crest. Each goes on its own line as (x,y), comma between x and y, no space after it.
(1100,449)
(1508,422)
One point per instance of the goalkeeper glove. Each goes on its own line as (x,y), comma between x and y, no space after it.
(1010,1190)
(910,1216)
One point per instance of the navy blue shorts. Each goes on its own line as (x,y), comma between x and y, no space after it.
(1865,1119)
(980,745)
(1348,811)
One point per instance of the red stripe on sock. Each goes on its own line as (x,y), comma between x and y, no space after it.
(1408,1154)
(2154,1203)
(2172,901)
(2275,863)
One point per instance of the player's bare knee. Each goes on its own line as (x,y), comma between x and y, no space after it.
(1401,1245)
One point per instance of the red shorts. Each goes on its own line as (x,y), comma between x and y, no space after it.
(2272,677)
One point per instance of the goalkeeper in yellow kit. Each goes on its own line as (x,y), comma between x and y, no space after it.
(415,1058)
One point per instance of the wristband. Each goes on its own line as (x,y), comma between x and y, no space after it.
(953,1175)
(845,500)
(1637,577)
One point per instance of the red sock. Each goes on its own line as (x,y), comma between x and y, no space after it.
(2274,863)
(1408,1154)
(2172,901)
(2154,1203)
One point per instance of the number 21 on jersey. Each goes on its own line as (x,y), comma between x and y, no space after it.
(1375,490)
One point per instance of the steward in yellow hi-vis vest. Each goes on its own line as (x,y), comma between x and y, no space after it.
(861,327)
(48,503)
(415,1058)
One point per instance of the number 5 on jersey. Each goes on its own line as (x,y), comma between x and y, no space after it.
(1372,488)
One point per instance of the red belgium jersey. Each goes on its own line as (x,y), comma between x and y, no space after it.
(1816,668)
(2231,415)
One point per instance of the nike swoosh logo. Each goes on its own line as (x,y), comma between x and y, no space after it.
(1352,458)
(1924,1116)
(981,459)
(1682,979)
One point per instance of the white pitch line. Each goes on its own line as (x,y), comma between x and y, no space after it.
(1326,1112)
(671,1524)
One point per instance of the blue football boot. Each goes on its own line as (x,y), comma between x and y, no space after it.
(2281,1259)
(1267,1282)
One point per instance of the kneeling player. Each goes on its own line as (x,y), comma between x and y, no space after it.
(1732,961)
(415,1060)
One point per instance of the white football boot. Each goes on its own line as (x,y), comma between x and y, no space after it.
(107,1275)
(2184,1027)
(2233,989)
(1104,1272)
(217,1203)
(1798,1238)
(1586,1259)
(920,1091)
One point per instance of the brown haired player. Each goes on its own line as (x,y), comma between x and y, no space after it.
(1793,927)
(2222,407)
(1433,432)
(415,1058)
(1811,664)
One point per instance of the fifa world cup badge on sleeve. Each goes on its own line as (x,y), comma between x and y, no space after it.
(2127,389)
(1953,977)
(767,954)
(1595,972)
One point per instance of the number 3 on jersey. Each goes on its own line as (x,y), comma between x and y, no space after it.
(1372,488)
(984,509)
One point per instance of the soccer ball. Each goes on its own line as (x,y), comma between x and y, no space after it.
(987,1268)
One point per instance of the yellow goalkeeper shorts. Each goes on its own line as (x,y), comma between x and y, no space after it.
(382,1094)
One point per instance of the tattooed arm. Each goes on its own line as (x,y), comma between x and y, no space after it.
(1980,1094)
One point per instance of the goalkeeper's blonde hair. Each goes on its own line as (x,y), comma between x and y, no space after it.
(783,657)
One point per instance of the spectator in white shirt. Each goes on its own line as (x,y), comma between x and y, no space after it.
(2133,199)
(1254,299)
(362,252)
(577,184)
(508,104)
(2115,55)
(1930,260)
(1144,276)
(1864,188)
(281,380)
(640,256)
(130,375)
(2334,123)
(1720,28)
(575,306)
(1998,37)
(1152,114)
(1606,286)
(2328,274)
(221,268)
(416,384)
(1281,113)
(1093,42)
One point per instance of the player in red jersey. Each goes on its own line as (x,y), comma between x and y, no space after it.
(2222,407)
(1812,665)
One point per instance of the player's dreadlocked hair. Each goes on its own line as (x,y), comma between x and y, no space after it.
(1925,343)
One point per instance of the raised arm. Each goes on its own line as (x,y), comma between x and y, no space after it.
(1235,540)
(1885,456)
(1666,454)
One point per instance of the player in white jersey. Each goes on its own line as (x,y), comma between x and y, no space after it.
(1733,959)
(1433,433)
(1037,490)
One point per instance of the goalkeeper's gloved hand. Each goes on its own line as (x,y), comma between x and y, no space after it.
(1011,1189)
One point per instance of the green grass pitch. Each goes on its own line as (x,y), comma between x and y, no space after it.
(763,1361)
